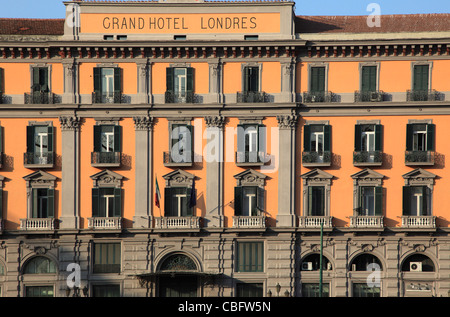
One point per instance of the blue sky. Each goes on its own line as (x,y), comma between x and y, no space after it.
(55,8)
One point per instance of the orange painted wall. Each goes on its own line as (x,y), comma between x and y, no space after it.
(14,186)
(57,78)
(343,77)
(127,170)
(394,143)
(395,76)
(269,72)
(232,78)
(439,76)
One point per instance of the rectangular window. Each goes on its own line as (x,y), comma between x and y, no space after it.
(421,77)
(107,85)
(39,145)
(43,203)
(179,84)
(176,202)
(368,143)
(317,80)
(107,138)
(251,79)
(370,201)
(416,201)
(2,83)
(313,290)
(248,201)
(420,137)
(250,257)
(106,202)
(317,138)
(251,143)
(316,201)
(369,79)
(39,291)
(249,289)
(364,290)
(181,141)
(107,257)
(106,290)
(40,79)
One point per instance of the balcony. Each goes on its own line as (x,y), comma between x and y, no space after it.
(251,97)
(171,160)
(38,160)
(419,222)
(106,159)
(38,97)
(249,222)
(317,96)
(36,224)
(367,158)
(177,222)
(369,96)
(422,95)
(175,97)
(316,158)
(367,222)
(419,158)
(115,97)
(105,223)
(314,222)
(250,158)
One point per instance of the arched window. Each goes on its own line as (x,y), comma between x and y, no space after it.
(418,263)
(40,265)
(2,270)
(178,262)
(312,263)
(366,262)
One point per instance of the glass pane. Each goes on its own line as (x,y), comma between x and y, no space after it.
(368,201)
(250,257)
(249,201)
(106,291)
(317,203)
(317,142)
(106,202)
(39,291)
(364,290)
(249,290)
(41,140)
(313,290)
(108,82)
(180,81)
(107,136)
(416,201)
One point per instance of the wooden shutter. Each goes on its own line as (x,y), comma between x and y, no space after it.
(378,201)
(43,74)
(358,135)
(169,79)
(1,139)
(1,203)
(421,77)
(117,138)
(240,143)
(238,195)
(378,137)
(2,81)
(317,79)
(262,139)
(409,137)
(50,203)
(430,137)
(189,210)
(117,81)
(97,138)
(246,79)
(98,81)
(253,79)
(406,201)
(306,138)
(30,138)
(310,201)
(95,202)
(35,85)
(169,210)
(34,210)
(425,192)
(117,211)
(369,78)
(259,201)
(327,138)
(189,150)
(50,138)
(190,80)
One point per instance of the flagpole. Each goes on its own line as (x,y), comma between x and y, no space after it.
(320,260)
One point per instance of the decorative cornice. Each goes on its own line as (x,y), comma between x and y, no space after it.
(143,123)
(214,121)
(287,121)
(71,123)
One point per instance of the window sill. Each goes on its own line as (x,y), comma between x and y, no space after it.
(367,163)
(316,164)
(187,164)
(105,164)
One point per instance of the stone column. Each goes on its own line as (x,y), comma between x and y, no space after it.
(215,82)
(143,77)
(69,81)
(144,190)
(287,81)
(214,171)
(70,196)
(286,171)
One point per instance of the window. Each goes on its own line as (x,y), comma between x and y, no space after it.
(418,263)
(251,84)
(179,85)
(177,201)
(317,79)
(317,85)
(39,145)
(107,257)
(317,144)
(312,263)
(107,85)
(364,290)
(416,201)
(248,200)
(40,79)
(40,88)
(313,290)
(2,84)
(368,144)
(43,203)
(181,145)
(40,265)
(107,145)
(39,291)
(106,290)
(369,78)
(420,79)
(106,202)
(370,201)
(250,257)
(251,144)
(420,143)
(366,262)
(316,204)
(249,290)
(251,79)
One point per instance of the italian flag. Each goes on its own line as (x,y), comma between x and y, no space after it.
(157,194)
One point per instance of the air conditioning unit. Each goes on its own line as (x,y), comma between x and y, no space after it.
(415,266)
(307,266)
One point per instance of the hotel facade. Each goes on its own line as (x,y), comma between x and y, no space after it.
(200,148)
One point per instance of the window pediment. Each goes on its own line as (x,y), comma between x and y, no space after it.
(250,177)
(179,178)
(40,179)
(419,177)
(317,176)
(107,178)
(368,177)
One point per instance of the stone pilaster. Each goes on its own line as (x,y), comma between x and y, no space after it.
(215,82)
(214,171)
(287,81)
(144,190)
(143,82)
(286,171)
(69,81)
(70,196)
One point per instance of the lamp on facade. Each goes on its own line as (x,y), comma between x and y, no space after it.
(269,293)
(286,294)
(76,291)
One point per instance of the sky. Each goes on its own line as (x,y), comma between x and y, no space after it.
(48,9)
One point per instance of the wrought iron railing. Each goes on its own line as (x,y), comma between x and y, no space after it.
(251,96)
(115,97)
(254,157)
(39,97)
(106,158)
(367,157)
(317,96)
(419,157)
(175,97)
(44,158)
(316,157)
(169,158)
(422,95)
(369,96)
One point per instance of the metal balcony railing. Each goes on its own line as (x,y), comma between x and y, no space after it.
(367,158)
(170,159)
(39,97)
(419,157)
(369,96)
(177,222)
(317,96)
(251,96)
(316,158)
(175,97)
(116,97)
(249,221)
(249,158)
(45,159)
(422,95)
(106,158)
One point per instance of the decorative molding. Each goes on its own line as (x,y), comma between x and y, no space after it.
(179,178)
(40,179)
(367,177)
(70,123)
(419,177)
(107,178)
(214,121)
(250,177)
(287,121)
(143,123)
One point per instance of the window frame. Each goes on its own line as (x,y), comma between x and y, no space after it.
(98,83)
(244,267)
(111,268)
